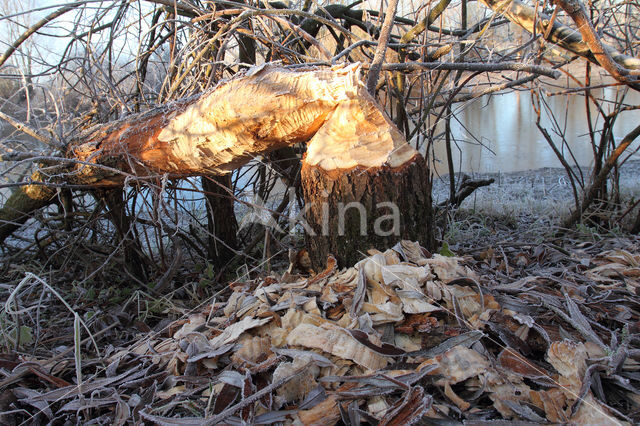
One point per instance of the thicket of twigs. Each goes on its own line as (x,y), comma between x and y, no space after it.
(104,266)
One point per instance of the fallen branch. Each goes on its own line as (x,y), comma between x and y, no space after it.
(467,187)
(351,144)
(212,133)
(473,66)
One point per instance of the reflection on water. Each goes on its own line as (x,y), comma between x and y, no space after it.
(505,125)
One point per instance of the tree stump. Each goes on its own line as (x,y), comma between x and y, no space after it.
(357,161)
(352,211)
(364,186)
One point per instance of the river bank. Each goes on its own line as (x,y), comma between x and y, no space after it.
(525,205)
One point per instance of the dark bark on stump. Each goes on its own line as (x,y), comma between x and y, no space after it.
(18,209)
(337,224)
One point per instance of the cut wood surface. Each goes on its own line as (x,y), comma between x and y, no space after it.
(267,108)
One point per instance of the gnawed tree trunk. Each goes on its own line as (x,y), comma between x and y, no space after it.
(208,134)
(352,144)
(351,211)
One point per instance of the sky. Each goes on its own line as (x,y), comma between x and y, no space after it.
(50,42)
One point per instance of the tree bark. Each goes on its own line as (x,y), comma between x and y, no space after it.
(21,205)
(221,219)
(349,212)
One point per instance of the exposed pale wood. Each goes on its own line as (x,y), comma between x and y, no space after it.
(357,133)
(266,109)
(359,156)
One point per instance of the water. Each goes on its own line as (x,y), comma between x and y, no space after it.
(498,133)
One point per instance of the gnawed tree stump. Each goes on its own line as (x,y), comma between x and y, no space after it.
(355,153)
(354,210)
(364,186)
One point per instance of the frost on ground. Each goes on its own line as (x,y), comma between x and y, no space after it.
(526,203)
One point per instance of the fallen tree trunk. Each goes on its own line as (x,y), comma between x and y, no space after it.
(208,134)
(350,139)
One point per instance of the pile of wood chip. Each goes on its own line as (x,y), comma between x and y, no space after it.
(401,337)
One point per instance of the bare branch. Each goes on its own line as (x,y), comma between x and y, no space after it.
(383,40)
(594,189)
(559,34)
(473,66)
(41,23)
(576,11)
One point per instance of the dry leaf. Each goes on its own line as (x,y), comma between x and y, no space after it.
(338,342)
(234,331)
